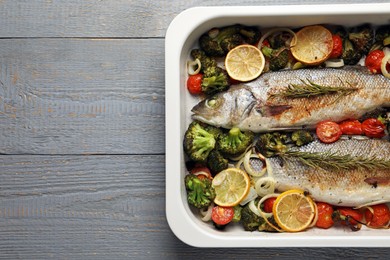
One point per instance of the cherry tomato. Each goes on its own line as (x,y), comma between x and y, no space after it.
(373,61)
(201,172)
(268,204)
(379,218)
(325,212)
(353,216)
(337,46)
(194,84)
(328,131)
(222,215)
(372,127)
(351,127)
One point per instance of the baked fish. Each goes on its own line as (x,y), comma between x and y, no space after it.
(352,187)
(325,94)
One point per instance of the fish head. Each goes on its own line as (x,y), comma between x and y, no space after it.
(226,109)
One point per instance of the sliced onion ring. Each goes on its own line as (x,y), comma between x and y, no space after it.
(265,214)
(206,214)
(385,60)
(265,36)
(253,208)
(193,64)
(334,63)
(265,185)
(252,194)
(249,168)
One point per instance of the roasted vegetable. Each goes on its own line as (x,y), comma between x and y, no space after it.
(199,141)
(301,137)
(272,144)
(249,220)
(216,162)
(278,58)
(350,55)
(205,61)
(251,34)
(382,35)
(214,80)
(234,142)
(362,38)
(200,192)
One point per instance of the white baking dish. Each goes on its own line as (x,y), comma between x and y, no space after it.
(181,37)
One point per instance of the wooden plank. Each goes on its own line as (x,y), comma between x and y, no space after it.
(105,207)
(115,18)
(75,96)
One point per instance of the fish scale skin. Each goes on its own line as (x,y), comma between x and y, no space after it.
(250,106)
(343,188)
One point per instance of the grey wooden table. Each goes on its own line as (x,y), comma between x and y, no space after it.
(82,165)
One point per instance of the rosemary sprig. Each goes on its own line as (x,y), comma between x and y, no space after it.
(333,161)
(309,89)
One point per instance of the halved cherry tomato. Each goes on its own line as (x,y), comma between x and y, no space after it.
(380,216)
(194,83)
(222,215)
(268,204)
(351,127)
(373,61)
(372,127)
(201,172)
(349,216)
(325,212)
(337,46)
(328,131)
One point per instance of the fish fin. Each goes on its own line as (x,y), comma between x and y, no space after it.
(272,110)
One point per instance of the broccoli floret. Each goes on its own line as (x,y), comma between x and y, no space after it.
(249,220)
(216,162)
(362,38)
(198,142)
(237,213)
(272,144)
(350,55)
(210,42)
(278,59)
(205,61)
(234,142)
(214,80)
(301,137)
(251,34)
(200,192)
(382,35)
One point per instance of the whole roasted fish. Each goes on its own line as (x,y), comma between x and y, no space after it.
(291,99)
(348,187)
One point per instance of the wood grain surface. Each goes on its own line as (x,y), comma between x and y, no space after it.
(82,148)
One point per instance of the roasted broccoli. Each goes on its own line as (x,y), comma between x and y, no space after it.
(278,59)
(234,142)
(249,220)
(219,41)
(272,144)
(382,35)
(200,192)
(198,142)
(301,137)
(362,38)
(205,61)
(237,213)
(214,80)
(350,55)
(216,162)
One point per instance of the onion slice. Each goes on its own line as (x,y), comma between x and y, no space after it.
(264,186)
(334,63)
(206,214)
(384,63)
(253,208)
(249,168)
(265,214)
(191,65)
(275,30)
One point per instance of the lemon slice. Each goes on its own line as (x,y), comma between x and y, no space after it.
(293,211)
(244,62)
(312,45)
(231,187)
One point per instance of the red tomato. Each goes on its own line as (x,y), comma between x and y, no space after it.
(268,204)
(373,61)
(372,127)
(350,215)
(379,218)
(194,83)
(222,215)
(337,46)
(328,131)
(325,212)
(351,127)
(205,172)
